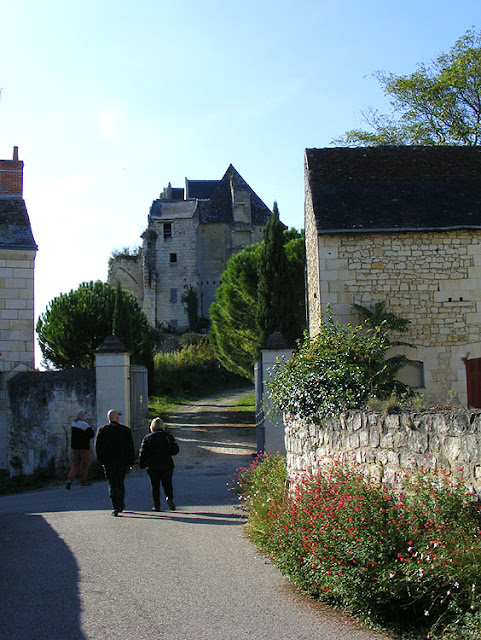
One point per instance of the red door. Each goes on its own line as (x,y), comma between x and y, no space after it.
(473,381)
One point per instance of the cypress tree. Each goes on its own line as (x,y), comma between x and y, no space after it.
(273,309)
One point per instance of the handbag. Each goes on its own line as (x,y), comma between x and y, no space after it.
(173,446)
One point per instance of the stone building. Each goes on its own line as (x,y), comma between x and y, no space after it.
(191,234)
(17,259)
(402,225)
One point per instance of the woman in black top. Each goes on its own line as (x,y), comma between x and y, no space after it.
(81,434)
(155,455)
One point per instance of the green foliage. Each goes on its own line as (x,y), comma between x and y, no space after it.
(411,562)
(273,301)
(338,369)
(389,322)
(75,324)
(439,104)
(379,316)
(234,334)
(190,300)
(256,486)
(128,253)
(295,250)
(192,369)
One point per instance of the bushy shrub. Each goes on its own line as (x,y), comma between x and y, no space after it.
(339,369)
(257,486)
(192,369)
(410,561)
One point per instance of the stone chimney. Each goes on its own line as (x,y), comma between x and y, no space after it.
(11,176)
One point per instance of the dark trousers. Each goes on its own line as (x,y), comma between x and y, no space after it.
(115,475)
(163,476)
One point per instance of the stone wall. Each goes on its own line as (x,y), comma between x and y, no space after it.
(16,327)
(43,406)
(128,271)
(384,444)
(432,279)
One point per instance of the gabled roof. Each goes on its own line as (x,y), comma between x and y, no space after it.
(214,199)
(394,188)
(220,205)
(15,230)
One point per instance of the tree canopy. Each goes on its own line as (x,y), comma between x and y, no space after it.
(438,104)
(235,331)
(272,311)
(75,324)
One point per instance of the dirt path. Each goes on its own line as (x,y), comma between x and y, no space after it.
(211,432)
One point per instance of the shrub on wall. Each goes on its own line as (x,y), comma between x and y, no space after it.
(339,369)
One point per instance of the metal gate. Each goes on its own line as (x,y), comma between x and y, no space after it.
(473,382)
(138,403)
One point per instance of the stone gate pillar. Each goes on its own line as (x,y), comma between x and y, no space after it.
(112,372)
(276,348)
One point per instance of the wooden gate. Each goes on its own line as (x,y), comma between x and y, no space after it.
(138,403)
(473,382)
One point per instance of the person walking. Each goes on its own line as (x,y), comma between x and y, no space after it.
(114,447)
(155,455)
(81,434)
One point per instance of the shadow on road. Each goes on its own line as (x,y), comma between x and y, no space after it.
(38,582)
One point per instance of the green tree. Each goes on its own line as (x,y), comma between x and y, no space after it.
(378,317)
(295,249)
(280,292)
(191,301)
(75,324)
(234,333)
(439,104)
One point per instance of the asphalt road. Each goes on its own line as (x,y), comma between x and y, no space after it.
(70,571)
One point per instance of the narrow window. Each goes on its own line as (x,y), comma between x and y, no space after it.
(167,230)
(173,295)
(173,257)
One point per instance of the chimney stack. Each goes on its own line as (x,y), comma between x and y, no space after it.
(11,176)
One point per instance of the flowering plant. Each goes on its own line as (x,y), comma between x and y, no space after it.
(409,561)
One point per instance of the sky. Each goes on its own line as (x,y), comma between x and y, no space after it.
(110,100)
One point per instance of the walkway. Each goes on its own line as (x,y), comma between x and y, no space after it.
(69,571)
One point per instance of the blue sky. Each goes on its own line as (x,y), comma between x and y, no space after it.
(109,100)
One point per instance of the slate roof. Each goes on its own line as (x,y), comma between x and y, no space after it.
(394,188)
(15,229)
(201,189)
(220,205)
(215,199)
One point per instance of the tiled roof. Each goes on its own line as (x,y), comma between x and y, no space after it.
(394,188)
(15,230)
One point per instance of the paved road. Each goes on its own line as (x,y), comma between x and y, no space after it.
(70,571)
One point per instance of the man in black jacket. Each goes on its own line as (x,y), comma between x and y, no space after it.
(114,447)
